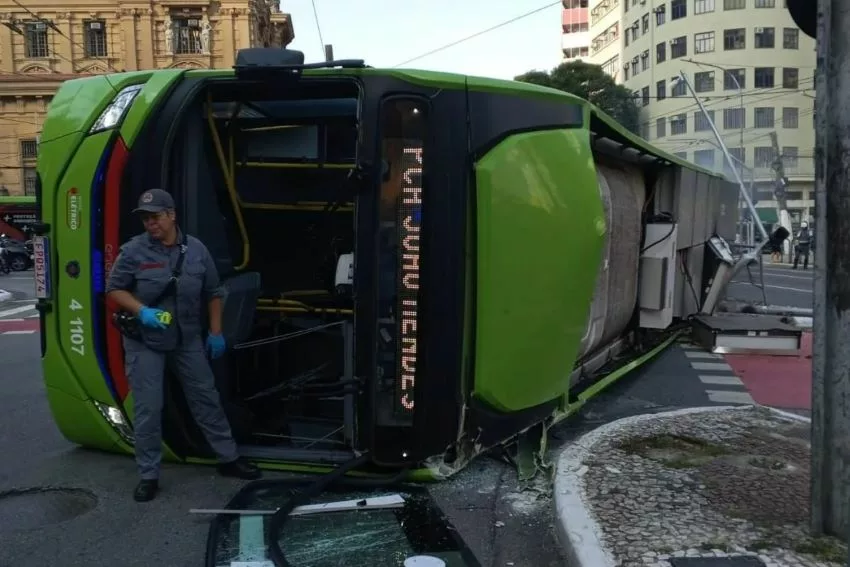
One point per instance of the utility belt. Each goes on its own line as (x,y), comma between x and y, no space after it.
(129,325)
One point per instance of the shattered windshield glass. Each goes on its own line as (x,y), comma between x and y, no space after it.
(378,538)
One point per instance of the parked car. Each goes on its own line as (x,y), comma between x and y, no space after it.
(19,256)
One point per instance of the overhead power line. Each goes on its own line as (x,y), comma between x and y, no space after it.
(480,33)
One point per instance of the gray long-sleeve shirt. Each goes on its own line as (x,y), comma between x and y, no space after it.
(144,267)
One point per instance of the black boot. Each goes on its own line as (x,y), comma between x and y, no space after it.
(240,468)
(146,490)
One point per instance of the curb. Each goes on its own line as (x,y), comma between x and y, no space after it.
(5,295)
(575,528)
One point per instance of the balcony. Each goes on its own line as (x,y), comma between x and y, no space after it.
(573,17)
(575,40)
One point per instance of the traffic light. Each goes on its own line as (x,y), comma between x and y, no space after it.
(805,15)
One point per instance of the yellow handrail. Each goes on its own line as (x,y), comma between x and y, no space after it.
(229,180)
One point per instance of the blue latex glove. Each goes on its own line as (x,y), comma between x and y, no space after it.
(148,318)
(215,345)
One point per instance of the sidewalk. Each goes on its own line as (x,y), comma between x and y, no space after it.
(702,482)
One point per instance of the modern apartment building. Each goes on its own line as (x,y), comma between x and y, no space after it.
(575,30)
(749,64)
(46,42)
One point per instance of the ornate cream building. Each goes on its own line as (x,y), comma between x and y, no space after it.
(46,42)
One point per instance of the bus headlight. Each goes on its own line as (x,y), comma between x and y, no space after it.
(114,113)
(117,420)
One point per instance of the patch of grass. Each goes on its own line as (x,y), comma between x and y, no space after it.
(761,544)
(824,549)
(766,463)
(720,544)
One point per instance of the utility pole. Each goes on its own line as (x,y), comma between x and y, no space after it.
(329,52)
(830,470)
(779,192)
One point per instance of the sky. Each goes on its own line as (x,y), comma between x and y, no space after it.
(386,33)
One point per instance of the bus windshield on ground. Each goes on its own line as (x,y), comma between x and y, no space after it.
(418,265)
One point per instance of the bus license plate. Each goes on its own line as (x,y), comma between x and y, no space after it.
(41,265)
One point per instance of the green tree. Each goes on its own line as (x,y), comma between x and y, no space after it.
(591,83)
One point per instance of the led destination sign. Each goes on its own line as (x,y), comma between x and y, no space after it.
(409,222)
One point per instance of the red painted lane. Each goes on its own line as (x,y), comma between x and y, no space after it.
(18,325)
(778,381)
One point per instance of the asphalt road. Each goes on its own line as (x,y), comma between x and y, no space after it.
(782,285)
(501,525)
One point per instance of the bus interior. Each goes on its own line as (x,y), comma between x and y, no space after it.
(270,184)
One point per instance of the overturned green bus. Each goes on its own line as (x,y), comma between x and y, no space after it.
(418,265)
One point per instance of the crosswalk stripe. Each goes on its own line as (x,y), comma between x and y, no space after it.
(703,354)
(720,380)
(729,397)
(711,366)
(16,332)
(16,310)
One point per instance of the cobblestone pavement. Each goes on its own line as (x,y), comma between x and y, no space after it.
(710,484)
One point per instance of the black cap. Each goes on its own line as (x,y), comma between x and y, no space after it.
(154,201)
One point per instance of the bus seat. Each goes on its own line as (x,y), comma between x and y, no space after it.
(239,306)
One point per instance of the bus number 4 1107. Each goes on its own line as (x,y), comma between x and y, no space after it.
(78,337)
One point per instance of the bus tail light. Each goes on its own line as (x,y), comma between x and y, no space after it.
(115,418)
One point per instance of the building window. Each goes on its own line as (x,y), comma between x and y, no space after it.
(29,149)
(735,39)
(703,6)
(734,118)
(681,155)
(611,66)
(678,9)
(661,90)
(644,131)
(701,123)
(734,4)
(606,38)
(765,3)
(791,38)
(94,35)
(790,156)
(30,177)
(660,15)
(635,68)
(764,117)
(764,38)
(187,36)
(660,127)
(704,82)
(763,156)
(626,71)
(704,42)
(731,76)
(644,95)
(602,9)
(36,40)
(679,89)
(645,23)
(660,52)
(704,158)
(790,117)
(644,60)
(764,77)
(678,124)
(679,47)
(790,78)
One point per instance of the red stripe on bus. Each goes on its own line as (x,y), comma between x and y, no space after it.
(111,244)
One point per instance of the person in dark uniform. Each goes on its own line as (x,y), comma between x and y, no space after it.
(803,247)
(143,269)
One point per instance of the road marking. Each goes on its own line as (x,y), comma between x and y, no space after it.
(777,287)
(16,333)
(720,380)
(789,276)
(727,397)
(703,354)
(711,366)
(16,310)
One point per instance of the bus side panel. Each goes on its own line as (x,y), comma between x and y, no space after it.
(540,234)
